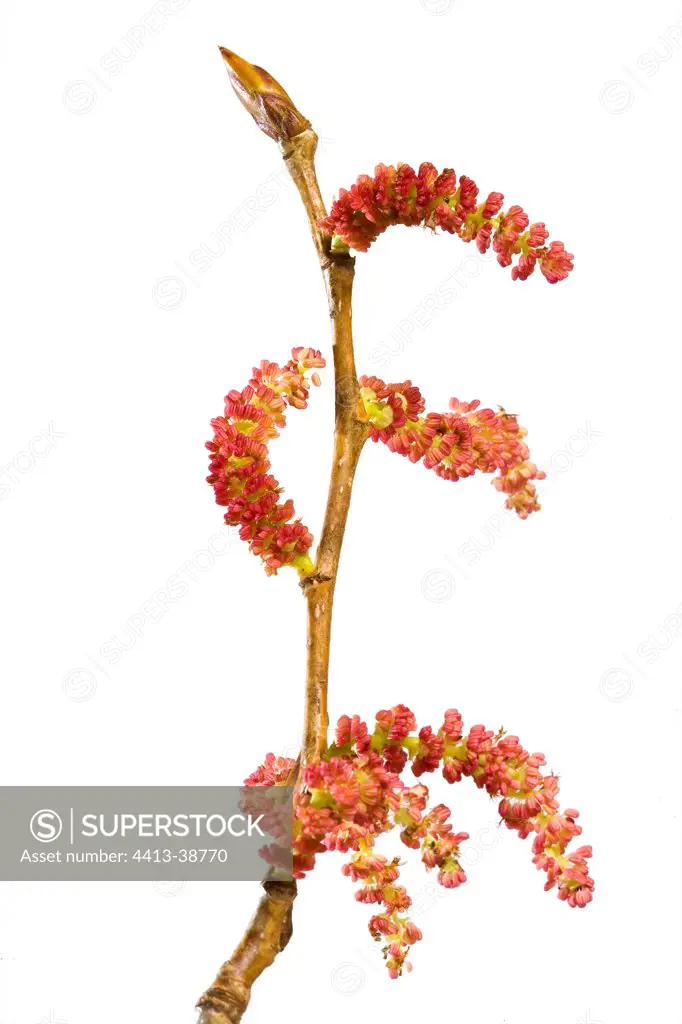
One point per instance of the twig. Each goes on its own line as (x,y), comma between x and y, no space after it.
(267,935)
(271,927)
(349,436)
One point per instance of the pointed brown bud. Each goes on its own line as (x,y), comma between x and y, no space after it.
(264,98)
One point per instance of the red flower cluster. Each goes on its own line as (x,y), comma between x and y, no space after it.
(453,444)
(240,467)
(499,764)
(354,793)
(400,195)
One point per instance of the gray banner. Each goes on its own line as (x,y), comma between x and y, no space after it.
(142,833)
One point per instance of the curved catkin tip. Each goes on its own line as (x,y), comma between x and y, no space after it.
(269,104)
(401,195)
(240,461)
(453,444)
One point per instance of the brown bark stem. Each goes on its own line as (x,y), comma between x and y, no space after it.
(271,927)
(350,435)
(267,935)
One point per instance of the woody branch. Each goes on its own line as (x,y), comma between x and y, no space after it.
(271,927)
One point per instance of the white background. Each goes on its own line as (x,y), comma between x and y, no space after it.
(112,182)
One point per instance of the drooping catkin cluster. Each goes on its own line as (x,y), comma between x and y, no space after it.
(401,195)
(454,444)
(355,793)
(240,466)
